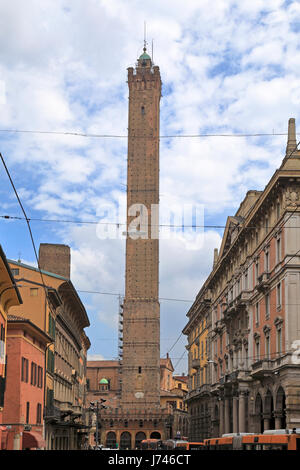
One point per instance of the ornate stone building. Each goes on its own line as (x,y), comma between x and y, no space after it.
(251,305)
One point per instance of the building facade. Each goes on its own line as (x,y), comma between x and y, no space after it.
(103,384)
(251,309)
(24,398)
(52,303)
(9,297)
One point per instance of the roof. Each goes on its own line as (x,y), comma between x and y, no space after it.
(11,277)
(23,265)
(145,56)
(11,319)
(103,381)
(65,289)
(100,364)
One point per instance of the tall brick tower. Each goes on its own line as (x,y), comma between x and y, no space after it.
(141,313)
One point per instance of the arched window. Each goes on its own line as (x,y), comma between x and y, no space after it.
(125,441)
(111,440)
(138,439)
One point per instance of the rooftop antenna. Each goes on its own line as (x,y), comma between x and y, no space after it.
(145,42)
(152,52)
(19,260)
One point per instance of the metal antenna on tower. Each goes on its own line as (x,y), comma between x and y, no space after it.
(145,42)
(152,52)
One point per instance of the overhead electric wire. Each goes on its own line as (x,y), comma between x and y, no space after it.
(118,224)
(31,236)
(124,136)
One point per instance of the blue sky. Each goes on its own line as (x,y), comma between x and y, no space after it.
(233,68)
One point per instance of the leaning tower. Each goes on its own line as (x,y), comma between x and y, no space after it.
(141,313)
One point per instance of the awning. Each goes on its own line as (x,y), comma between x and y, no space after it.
(3,428)
(32,440)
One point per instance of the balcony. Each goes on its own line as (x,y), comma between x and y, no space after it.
(263,282)
(66,407)
(243,298)
(51,412)
(262,368)
(77,410)
(195,363)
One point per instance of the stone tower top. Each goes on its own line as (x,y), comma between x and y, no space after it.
(291,142)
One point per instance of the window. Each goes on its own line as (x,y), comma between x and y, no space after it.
(51,326)
(268,346)
(257,313)
(33,292)
(40,377)
(24,370)
(246,358)
(278,250)
(267,262)
(50,361)
(140,370)
(15,271)
(39,413)
(33,374)
(257,350)
(246,280)
(279,341)
(27,412)
(256,271)
(279,296)
(267,301)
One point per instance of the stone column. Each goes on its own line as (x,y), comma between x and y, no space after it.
(221,418)
(235,414)
(277,423)
(266,421)
(226,418)
(242,408)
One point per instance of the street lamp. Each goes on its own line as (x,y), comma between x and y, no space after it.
(96,406)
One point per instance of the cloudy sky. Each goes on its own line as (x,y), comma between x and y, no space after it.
(228,69)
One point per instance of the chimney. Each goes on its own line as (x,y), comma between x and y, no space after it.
(216,254)
(55,259)
(291,142)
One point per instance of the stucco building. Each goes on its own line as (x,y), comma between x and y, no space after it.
(9,297)
(250,307)
(24,396)
(52,303)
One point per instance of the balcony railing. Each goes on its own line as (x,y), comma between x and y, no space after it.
(262,368)
(263,282)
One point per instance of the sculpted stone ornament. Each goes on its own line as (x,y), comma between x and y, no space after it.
(291,197)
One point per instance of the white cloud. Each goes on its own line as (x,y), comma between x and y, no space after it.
(231,68)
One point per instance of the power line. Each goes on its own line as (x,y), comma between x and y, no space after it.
(118,224)
(123,136)
(31,237)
